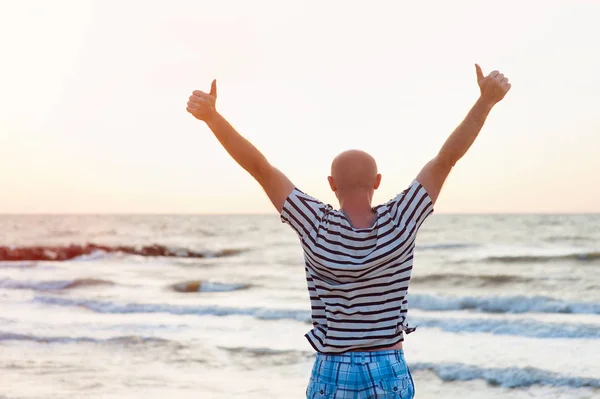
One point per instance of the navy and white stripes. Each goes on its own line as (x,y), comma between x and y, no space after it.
(358,278)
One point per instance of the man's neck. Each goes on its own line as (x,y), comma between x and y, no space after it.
(357,207)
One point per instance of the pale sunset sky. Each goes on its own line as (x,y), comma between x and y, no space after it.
(93,119)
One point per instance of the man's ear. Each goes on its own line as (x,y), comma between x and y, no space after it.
(332,183)
(377,181)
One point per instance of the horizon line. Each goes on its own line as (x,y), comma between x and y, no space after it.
(516,213)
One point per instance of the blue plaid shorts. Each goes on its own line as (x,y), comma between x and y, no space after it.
(361,375)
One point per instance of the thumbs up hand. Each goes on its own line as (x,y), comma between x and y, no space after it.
(202,105)
(493,87)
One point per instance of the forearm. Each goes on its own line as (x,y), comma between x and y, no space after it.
(240,149)
(465,134)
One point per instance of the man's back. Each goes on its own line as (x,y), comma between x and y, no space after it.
(358,277)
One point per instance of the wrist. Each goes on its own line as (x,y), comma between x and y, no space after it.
(212,119)
(485,103)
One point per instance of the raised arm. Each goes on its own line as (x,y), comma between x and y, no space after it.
(275,184)
(493,88)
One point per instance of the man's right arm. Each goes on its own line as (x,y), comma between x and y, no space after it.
(433,175)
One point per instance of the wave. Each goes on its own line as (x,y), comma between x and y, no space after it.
(94,255)
(506,304)
(262,352)
(523,328)
(224,252)
(512,377)
(91,251)
(17,265)
(124,340)
(253,357)
(445,246)
(111,307)
(591,256)
(528,328)
(53,285)
(207,286)
(567,238)
(479,280)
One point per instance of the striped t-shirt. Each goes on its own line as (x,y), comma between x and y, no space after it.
(358,278)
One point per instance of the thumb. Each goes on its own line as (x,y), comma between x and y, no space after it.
(479,73)
(213,88)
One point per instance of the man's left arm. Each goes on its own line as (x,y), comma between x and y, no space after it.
(493,88)
(275,184)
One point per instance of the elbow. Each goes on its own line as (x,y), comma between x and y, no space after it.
(259,169)
(446,160)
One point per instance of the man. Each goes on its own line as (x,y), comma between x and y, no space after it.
(358,260)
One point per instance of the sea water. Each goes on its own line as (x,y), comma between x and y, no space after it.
(216,307)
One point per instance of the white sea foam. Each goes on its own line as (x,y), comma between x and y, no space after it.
(512,377)
(94,255)
(502,304)
(111,307)
(130,339)
(220,287)
(445,246)
(527,328)
(51,285)
(524,328)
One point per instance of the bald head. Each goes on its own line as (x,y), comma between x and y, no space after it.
(354,170)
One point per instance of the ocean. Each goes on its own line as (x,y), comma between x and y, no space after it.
(506,306)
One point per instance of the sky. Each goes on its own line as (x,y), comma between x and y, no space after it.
(93,98)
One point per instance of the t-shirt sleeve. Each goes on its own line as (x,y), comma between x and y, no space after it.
(302,212)
(411,207)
